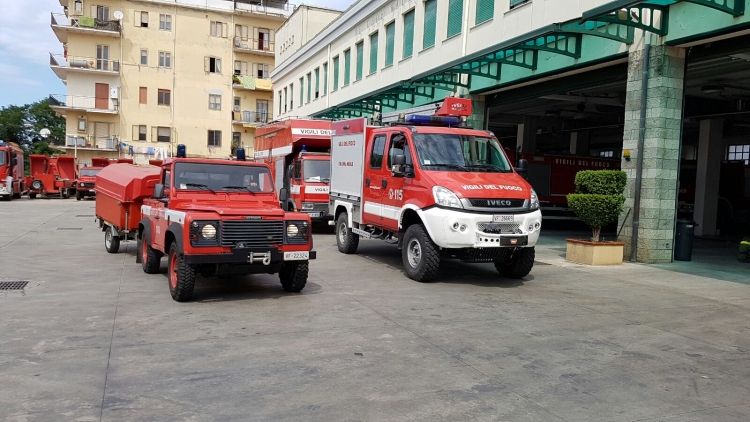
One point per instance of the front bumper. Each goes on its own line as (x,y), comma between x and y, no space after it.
(237,256)
(6,190)
(440,225)
(318,211)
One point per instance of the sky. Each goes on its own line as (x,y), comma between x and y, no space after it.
(26,40)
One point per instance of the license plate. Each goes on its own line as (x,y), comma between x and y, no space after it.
(314,214)
(296,256)
(502,219)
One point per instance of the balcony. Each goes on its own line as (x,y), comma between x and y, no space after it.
(251,83)
(265,7)
(61,65)
(64,103)
(62,26)
(260,47)
(86,142)
(250,118)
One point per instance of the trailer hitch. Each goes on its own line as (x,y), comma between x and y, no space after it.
(262,257)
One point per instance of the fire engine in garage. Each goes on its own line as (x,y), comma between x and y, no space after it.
(12,183)
(436,189)
(298,152)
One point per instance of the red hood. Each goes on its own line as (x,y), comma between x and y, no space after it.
(482,185)
(233,208)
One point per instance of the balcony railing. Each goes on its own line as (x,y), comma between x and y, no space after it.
(85,22)
(267,7)
(246,116)
(86,141)
(252,45)
(76,102)
(86,63)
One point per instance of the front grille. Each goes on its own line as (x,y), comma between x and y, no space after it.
(500,228)
(497,203)
(253,233)
(88,185)
(484,254)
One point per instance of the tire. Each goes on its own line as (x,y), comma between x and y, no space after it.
(293,276)
(78,195)
(36,185)
(150,257)
(420,254)
(7,198)
(111,240)
(346,240)
(180,276)
(519,265)
(32,195)
(65,194)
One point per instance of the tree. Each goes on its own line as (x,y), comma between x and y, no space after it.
(21,124)
(598,199)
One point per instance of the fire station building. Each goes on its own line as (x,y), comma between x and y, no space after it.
(563,79)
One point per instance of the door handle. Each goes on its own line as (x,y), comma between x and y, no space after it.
(385,183)
(367,182)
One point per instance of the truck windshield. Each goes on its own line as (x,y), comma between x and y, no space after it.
(222,177)
(445,151)
(317,170)
(90,172)
(2,158)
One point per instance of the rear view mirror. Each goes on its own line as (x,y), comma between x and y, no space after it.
(523,168)
(283,194)
(158,191)
(397,167)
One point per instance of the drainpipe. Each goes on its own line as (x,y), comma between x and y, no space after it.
(641,141)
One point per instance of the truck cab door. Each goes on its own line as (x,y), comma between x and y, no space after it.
(158,214)
(397,187)
(295,184)
(374,183)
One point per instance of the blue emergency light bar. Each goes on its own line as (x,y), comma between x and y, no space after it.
(416,119)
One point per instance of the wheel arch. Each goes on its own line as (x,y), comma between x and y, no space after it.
(174,235)
(343,207)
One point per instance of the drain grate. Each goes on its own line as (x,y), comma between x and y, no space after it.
(13,285)
(70,228)
(540,263)
(85,215)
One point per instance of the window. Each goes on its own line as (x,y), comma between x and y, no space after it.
(237,103)
(317,83)
(309,86)
(516,3)
(139,133)
(143,95)
(347,66)
(297,170)
(325,79)
(102,13)
(218,29)
(165,59)
(102,57)
(398,147)
(430,22)
(373,53)
(301,91)
(360,60)
(165,22)
(739,153)
(408,34)
(236,139)
(336,73)
(241,32)
(214,102)
(485,11)
(286,92)
(141,19)
(378,149)
(264,39)
(213,65)
(280,102)
(262,71)
(214,138)
(455,17)
(144,57)
(262,110)
(240,68)
(291,96)
(164,97)
(163,134)
(606,154)
(390,33)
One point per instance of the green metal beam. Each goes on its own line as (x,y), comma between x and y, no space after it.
(516,56)
(648,17)
(621,33)
(565,44)
(736,9)
(482,69)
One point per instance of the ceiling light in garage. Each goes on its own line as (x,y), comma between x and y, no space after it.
(712,89)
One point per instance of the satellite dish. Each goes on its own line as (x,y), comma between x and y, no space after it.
(118,15)
(44,132)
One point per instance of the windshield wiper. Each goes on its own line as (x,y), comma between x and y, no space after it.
(245,188)
(450,166)
(198,185)
(490,166)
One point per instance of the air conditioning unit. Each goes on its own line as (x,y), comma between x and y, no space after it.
(114,92)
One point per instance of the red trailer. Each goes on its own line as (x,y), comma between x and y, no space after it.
(120,191)
(156,163)
(51,176)
(86,181)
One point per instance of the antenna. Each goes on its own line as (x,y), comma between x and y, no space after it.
(118,15)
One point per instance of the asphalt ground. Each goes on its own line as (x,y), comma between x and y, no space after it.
(94,338)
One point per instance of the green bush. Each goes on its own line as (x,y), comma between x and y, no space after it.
(599,198)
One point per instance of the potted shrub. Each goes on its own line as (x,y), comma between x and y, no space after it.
(597,202)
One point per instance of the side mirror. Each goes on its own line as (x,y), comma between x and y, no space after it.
(284,195)
(523,168)
(158,191)
(397,167)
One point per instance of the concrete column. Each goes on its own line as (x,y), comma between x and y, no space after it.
(579,143)
(710,154)
(478,118)
(661,151)
(527,135)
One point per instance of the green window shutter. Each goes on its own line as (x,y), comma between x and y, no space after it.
(408,34)
(301,91)
(347,66)
(390,33)
(317,82)
(430,22)
(374,53)
(309,86)
(336,73)
(360,60)
(455,17)
(291,96)
(485,10)
(325,78)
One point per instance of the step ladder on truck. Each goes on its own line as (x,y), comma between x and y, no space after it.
(437,189)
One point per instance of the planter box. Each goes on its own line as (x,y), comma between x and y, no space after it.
(591,253)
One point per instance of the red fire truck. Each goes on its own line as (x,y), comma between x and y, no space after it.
(437,189)
(298,152)
(86,182)
(12,183)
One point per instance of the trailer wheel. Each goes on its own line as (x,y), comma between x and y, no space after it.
(111,240)
(65,194)
(518,265)
(420,254)
(32,195)
(36,185)
(78,195)
(346,240)
(181,276)
(293,276)
(150,257)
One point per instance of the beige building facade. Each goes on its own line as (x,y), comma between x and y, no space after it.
(144,76)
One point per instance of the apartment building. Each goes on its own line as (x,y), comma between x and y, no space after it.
(143,76)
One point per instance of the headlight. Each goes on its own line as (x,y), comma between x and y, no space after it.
(292,230)
(445,197)
(82,184)
(534,200)
(208,231)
